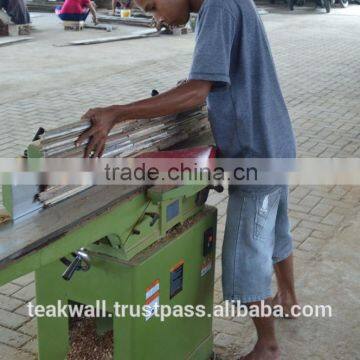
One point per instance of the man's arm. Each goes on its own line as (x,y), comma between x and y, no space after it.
(181,98)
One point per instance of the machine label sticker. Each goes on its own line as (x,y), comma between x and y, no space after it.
(176,278)
(152,298)
(172,210)
(206,267)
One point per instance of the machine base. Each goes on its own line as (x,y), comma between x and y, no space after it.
(178,270)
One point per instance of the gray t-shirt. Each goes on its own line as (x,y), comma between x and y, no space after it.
(247,111)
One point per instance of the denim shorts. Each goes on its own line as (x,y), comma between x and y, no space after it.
(257,235)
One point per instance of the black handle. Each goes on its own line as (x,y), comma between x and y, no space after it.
(155,217)
(154,92)
(74,266)
(40,131)
(81,262)
(202,195)
(217,188)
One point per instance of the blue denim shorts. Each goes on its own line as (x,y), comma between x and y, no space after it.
(257,235)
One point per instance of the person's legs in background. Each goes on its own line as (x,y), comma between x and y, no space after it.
(58,10)
(71,17)
(114,3)
(85,14)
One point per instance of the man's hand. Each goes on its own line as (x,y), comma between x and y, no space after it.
(102,121)
(184,97)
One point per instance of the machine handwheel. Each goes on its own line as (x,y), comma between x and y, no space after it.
(344,3)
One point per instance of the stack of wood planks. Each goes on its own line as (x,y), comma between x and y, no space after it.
(127,139)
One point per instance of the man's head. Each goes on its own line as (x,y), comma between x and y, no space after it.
(171,12)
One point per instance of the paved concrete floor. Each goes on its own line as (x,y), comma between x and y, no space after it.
(317,60)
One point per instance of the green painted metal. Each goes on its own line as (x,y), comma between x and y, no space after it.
(118,221)
(34,150)
(129,250)
(110,233)
(125,282)
(34,158)
(160,193)
(7,198)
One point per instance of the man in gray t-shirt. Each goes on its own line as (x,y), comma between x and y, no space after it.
(247,110)
(234,71)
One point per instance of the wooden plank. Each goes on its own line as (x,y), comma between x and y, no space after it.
(138,35)
(14,40)
(105,27)
(132,21)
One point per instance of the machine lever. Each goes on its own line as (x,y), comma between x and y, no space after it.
(37,135)
(66,261)
(217,188)
(81,262)
(155,217)
(202,195)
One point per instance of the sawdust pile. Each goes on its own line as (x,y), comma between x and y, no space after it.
(86,344)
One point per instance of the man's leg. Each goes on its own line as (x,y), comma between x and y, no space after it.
(57,9)
(285,296)
(283,258)
(84,15)
(247,260)
(266,346)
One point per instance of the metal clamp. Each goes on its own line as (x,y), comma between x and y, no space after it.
(81,262)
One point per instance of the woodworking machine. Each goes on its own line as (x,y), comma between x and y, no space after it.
(131,245)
